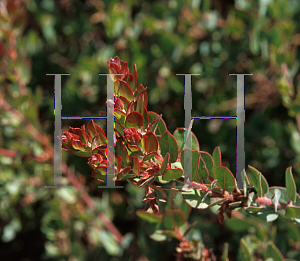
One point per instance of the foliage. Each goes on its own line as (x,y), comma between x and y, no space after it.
(150,157)
(163,38)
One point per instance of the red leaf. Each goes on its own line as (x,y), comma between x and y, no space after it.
(94,129)
(135,76)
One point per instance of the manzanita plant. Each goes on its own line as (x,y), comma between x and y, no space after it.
(152,158)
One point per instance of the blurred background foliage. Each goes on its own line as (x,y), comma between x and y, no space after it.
(210,37)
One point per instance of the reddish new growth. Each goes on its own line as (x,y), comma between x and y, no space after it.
(137,154)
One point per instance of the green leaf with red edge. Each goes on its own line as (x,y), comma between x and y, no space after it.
(172,174)
(225,178)
(144,143)
(125,102)
(290,184)
(194,164)
(179,136)
(123,89)
(130,107)
(135,150)
(165,163)
(78,145)
(96,142)
(173,218)
(145,97)
(94,128)
(134,120)
(124,69)
(119,128)
(217,157)
(81,133)
(135,165)
(140,105)
(149,156)
(148,180)
(168,144)
(152,143)
(158,128)
(122,151)
(130,81)
(146,118)
(208,160)
(119,163)
(140,90)
(80,153)
(120,116)
(258,181)
(203,172)
(119,104)
(99,172)
(135,76)
(100,150)
(124,174)
(148,216)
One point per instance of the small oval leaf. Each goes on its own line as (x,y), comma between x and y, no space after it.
(134,120)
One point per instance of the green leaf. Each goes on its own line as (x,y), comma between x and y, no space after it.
(284,198)
(225,178)
(172,174)
(146,118)
(134,120)
(140,105)
(179,136)
(152,143)
(124,174)
(99,174)
(173,218)
(165,162)
(290,184)
(266,214)
(135,165)
(216,201)
(292,212)
(122,151)
(195,198)
(273,252)
(170,233)
(161,125)
(194,164)
(123,89)
(94,129)
(149,156)
(120,116)
(203,172)
(258,181)
(225,252)
(239,225)
(217,157)
(244,251)
(158,236)
(148,216)
(208,160)
(169,145)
